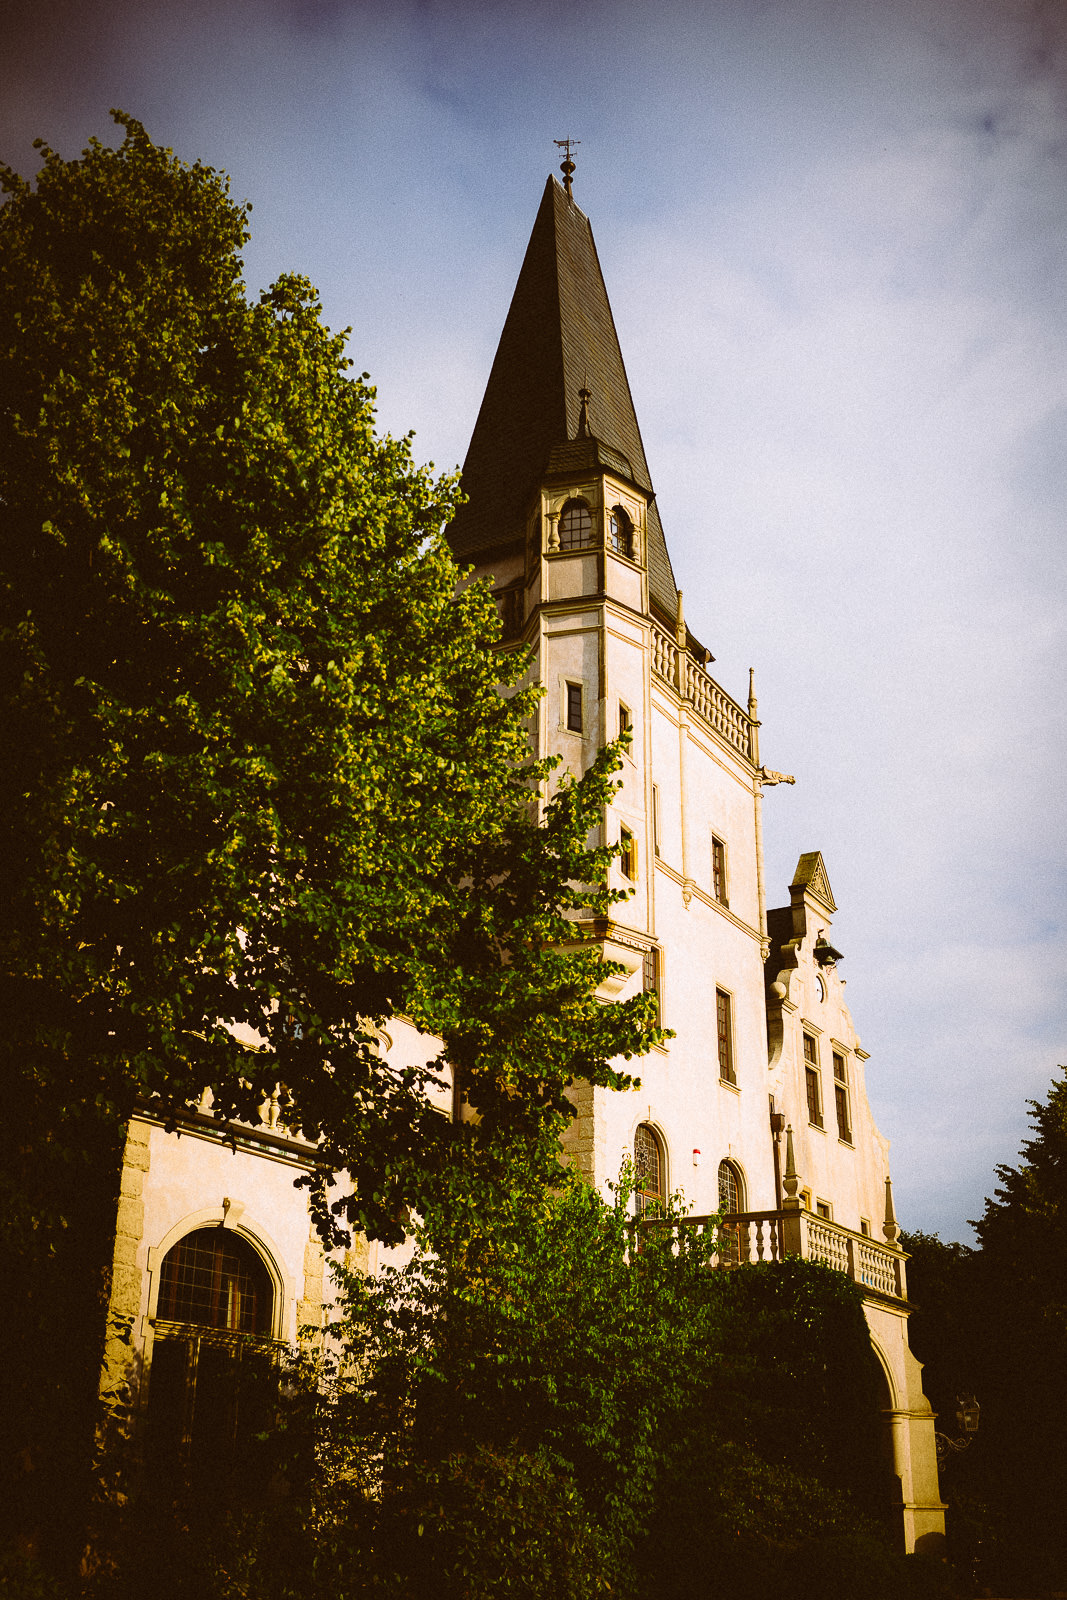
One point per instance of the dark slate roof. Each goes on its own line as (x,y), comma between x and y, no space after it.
(559,337)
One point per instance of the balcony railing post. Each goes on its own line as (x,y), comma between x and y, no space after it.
(794,1233)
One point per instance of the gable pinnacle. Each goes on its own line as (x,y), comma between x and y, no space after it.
(566,166)
(584,396)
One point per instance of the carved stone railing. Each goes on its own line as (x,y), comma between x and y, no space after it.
(712,704)
(770,1236)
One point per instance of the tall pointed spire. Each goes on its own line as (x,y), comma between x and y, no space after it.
(559,340)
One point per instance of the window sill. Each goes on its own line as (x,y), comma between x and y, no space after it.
(817,1125)
(729,1083)
(846,1142)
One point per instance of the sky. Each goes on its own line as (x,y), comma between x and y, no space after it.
(835,240)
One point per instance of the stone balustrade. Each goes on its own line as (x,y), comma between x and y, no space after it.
(710,702)
(748,1236)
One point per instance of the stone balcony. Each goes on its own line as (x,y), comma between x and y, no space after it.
(752,1236)
(673,664)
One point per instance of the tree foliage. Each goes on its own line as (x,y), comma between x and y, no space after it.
(562,1406)
(265,789)
(266,777)
(993,1322)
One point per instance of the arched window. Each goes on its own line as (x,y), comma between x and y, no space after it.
(621,532)
(731,1200)
(731,1188)
(649,1170)
(575,526)
(213,1383)
(215,1279)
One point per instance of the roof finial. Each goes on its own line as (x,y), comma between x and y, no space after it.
(566,166)
(584,396)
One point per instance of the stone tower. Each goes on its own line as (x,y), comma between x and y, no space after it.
(562,516)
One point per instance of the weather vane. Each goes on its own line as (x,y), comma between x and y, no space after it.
(566,166)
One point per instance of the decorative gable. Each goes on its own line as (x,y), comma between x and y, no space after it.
(810,876)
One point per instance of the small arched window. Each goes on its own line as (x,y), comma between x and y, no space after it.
(215,1279)
(649,1170)
(731,1188)
(621,532)
(576,526)
(731,1201)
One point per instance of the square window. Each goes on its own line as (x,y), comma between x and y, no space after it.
(574,707)
(822,1209)
(724,1038)
(718,871)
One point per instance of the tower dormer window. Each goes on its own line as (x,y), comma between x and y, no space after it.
(576,526)
(621,533)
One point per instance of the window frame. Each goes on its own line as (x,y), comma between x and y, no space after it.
(645,1198)
(719,882)
(724,1037)
(179,1287)
(813,1081)
(620,532)
(574,706)
(582,537)
(627,853)
(842,1098)
(652,978)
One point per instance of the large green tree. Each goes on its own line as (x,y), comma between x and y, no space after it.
(266,780)
(556,1405)
(264,787)
(992,1322)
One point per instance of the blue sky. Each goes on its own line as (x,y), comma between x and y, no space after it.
(834,239)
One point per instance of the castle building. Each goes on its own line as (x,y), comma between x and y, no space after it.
(563,517)
(758,1102)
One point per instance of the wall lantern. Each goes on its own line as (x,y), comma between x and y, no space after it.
(967,1414)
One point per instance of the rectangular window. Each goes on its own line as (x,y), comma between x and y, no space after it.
(574,707)
(844,1125)
(628,854)
(822,1209)
(718,871)
(811,1079)
(655,818)
(865,1227)
(624,719)
(725,1041)
(652,976)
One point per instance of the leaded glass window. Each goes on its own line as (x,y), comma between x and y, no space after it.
(730,1196)
(575,526)
(215,1279)
(648,1170)
(621,532)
